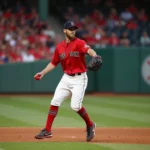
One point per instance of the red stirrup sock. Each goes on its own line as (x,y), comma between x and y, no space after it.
(83,113)
(51,116)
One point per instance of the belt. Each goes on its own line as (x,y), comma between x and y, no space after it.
(74,74)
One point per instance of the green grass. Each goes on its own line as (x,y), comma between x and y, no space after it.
(71,146)
(105,111)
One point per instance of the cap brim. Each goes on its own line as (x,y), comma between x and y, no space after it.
(73,27)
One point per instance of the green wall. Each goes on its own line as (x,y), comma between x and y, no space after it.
(124,70)
(16,77)
(104,77)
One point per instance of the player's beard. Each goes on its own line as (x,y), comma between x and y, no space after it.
(70,36)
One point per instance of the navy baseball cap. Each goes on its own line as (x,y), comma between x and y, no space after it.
(70,25)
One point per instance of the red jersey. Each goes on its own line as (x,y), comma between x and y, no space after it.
(71,56)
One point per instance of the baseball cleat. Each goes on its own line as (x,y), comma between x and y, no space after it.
(43,134)
(90,132)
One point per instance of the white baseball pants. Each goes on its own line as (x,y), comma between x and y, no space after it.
(73,86)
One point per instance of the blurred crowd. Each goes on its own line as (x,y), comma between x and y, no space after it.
(109,26)
(24,37)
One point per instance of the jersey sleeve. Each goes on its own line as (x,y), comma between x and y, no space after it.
(55,60)
(83,46)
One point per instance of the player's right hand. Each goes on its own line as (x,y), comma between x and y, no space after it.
(38,76)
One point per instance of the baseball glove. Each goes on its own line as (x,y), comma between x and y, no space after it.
(95,63)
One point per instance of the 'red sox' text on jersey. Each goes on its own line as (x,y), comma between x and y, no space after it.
(71,56)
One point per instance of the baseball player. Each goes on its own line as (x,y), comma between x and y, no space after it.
(71,54)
